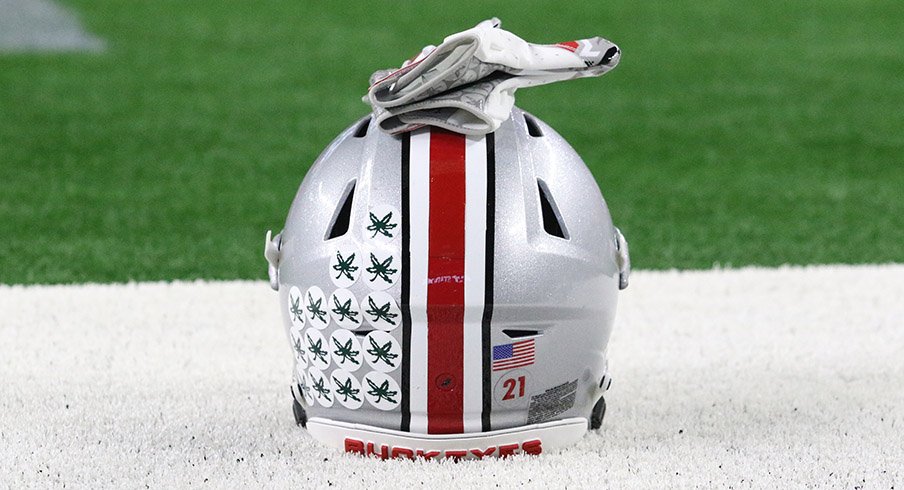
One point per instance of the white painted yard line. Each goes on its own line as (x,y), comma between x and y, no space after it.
(751,378)
(42,25)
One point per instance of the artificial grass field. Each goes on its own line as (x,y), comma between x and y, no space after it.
(732,132)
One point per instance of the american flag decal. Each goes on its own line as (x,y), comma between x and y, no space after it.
(509,356)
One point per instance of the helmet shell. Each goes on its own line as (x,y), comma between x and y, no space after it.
(550,279)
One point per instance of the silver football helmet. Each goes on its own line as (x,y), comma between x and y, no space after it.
(449,295)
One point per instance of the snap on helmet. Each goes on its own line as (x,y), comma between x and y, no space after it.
(448,295)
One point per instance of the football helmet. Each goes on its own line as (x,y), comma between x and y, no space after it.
(448,295)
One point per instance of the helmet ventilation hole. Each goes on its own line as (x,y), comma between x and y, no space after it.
(533,128)
(343,214)
(552,218)
(517,334)
(361,130)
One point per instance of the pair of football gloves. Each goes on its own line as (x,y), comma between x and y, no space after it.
(467,84)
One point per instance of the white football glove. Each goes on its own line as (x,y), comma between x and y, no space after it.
(467,84)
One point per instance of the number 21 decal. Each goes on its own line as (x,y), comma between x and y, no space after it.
(514,388)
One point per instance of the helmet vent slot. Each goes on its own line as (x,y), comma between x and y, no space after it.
(533,128)
(361,130)
(342,216)
(517,334)
(552,218)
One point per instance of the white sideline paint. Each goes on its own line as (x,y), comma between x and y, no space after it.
(747,378)
(42,25)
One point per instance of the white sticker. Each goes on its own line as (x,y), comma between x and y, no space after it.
(345,266)
(303,381)
(296,307)
(316,346)
(513,388)
(344,309)
(315,304)
(381,269)
(347,389)
(321,388)
(381,311)
(346,350)
(381,391)
(299,346)
(382,351)
(382,223)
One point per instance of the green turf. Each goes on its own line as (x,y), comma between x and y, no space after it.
(732,133)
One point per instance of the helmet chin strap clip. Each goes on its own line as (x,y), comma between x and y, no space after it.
(623,259)
(271,253)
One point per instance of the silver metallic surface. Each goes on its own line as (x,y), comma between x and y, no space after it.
(624,260)
(563,289)
(271,253)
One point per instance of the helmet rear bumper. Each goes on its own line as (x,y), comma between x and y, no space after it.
(385,443)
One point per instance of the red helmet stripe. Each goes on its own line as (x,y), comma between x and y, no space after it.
(449,252)
(445,283)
